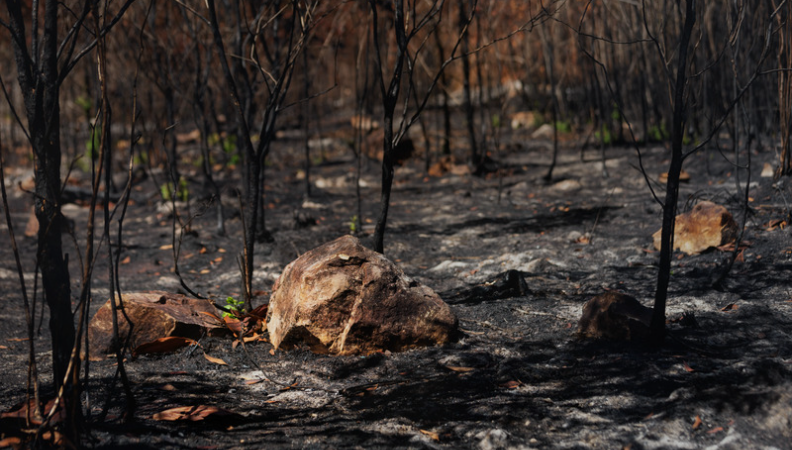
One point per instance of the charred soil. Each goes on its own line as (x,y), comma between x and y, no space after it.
(518,377)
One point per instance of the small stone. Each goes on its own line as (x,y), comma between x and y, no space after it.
(706,225)
(767,171)
(567,186)
(615,316)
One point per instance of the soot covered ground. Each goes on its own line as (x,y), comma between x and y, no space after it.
(517,378)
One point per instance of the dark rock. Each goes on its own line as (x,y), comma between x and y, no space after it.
(615,316)
(504,285)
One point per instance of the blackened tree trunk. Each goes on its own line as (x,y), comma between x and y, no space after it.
(41,89)
(785,89)
(281,59)
(467,102)
(446,141)
(548,52)
(39,79)
(672,187)
(390,96)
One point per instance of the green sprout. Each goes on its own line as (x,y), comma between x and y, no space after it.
(496,121)
(658,133)
(353,225)
(182,193)
(563,126)
(85,104)
(604,136)
(237,306)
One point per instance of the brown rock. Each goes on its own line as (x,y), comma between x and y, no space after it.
(153,315)
(32,227)
(342,298)
(441,167)
(364,123)
(706,225)
(401,153)
(616,316)
(524,119)
(446,164)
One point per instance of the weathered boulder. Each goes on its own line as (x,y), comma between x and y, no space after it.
(153,315)
(615,316)
(706,225)
(342,298)
(545,131)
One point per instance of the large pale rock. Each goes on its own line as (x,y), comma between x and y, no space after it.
(545,131)
(153,315)
(615,316)
(342,298)
(706,225)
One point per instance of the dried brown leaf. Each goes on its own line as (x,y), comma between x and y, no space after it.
(432,435)
(697,422)
(460,369)
(213,316)
(233,324)
(192,413)
(730,307)
(715,430)
(687,367)
(215,360)
(10,441)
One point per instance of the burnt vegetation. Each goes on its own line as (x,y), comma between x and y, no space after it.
(141,137)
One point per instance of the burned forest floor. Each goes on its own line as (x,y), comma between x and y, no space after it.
(517,377)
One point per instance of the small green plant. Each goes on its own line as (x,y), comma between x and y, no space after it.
(141,158)
(496,121)
(93,143)
(563,126)
(229,144)
(604,135)
(85,104)
(658,133)
(237,306)
(182,193)
(688,139)
(353,225)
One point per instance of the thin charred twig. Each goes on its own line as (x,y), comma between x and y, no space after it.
(32,378)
